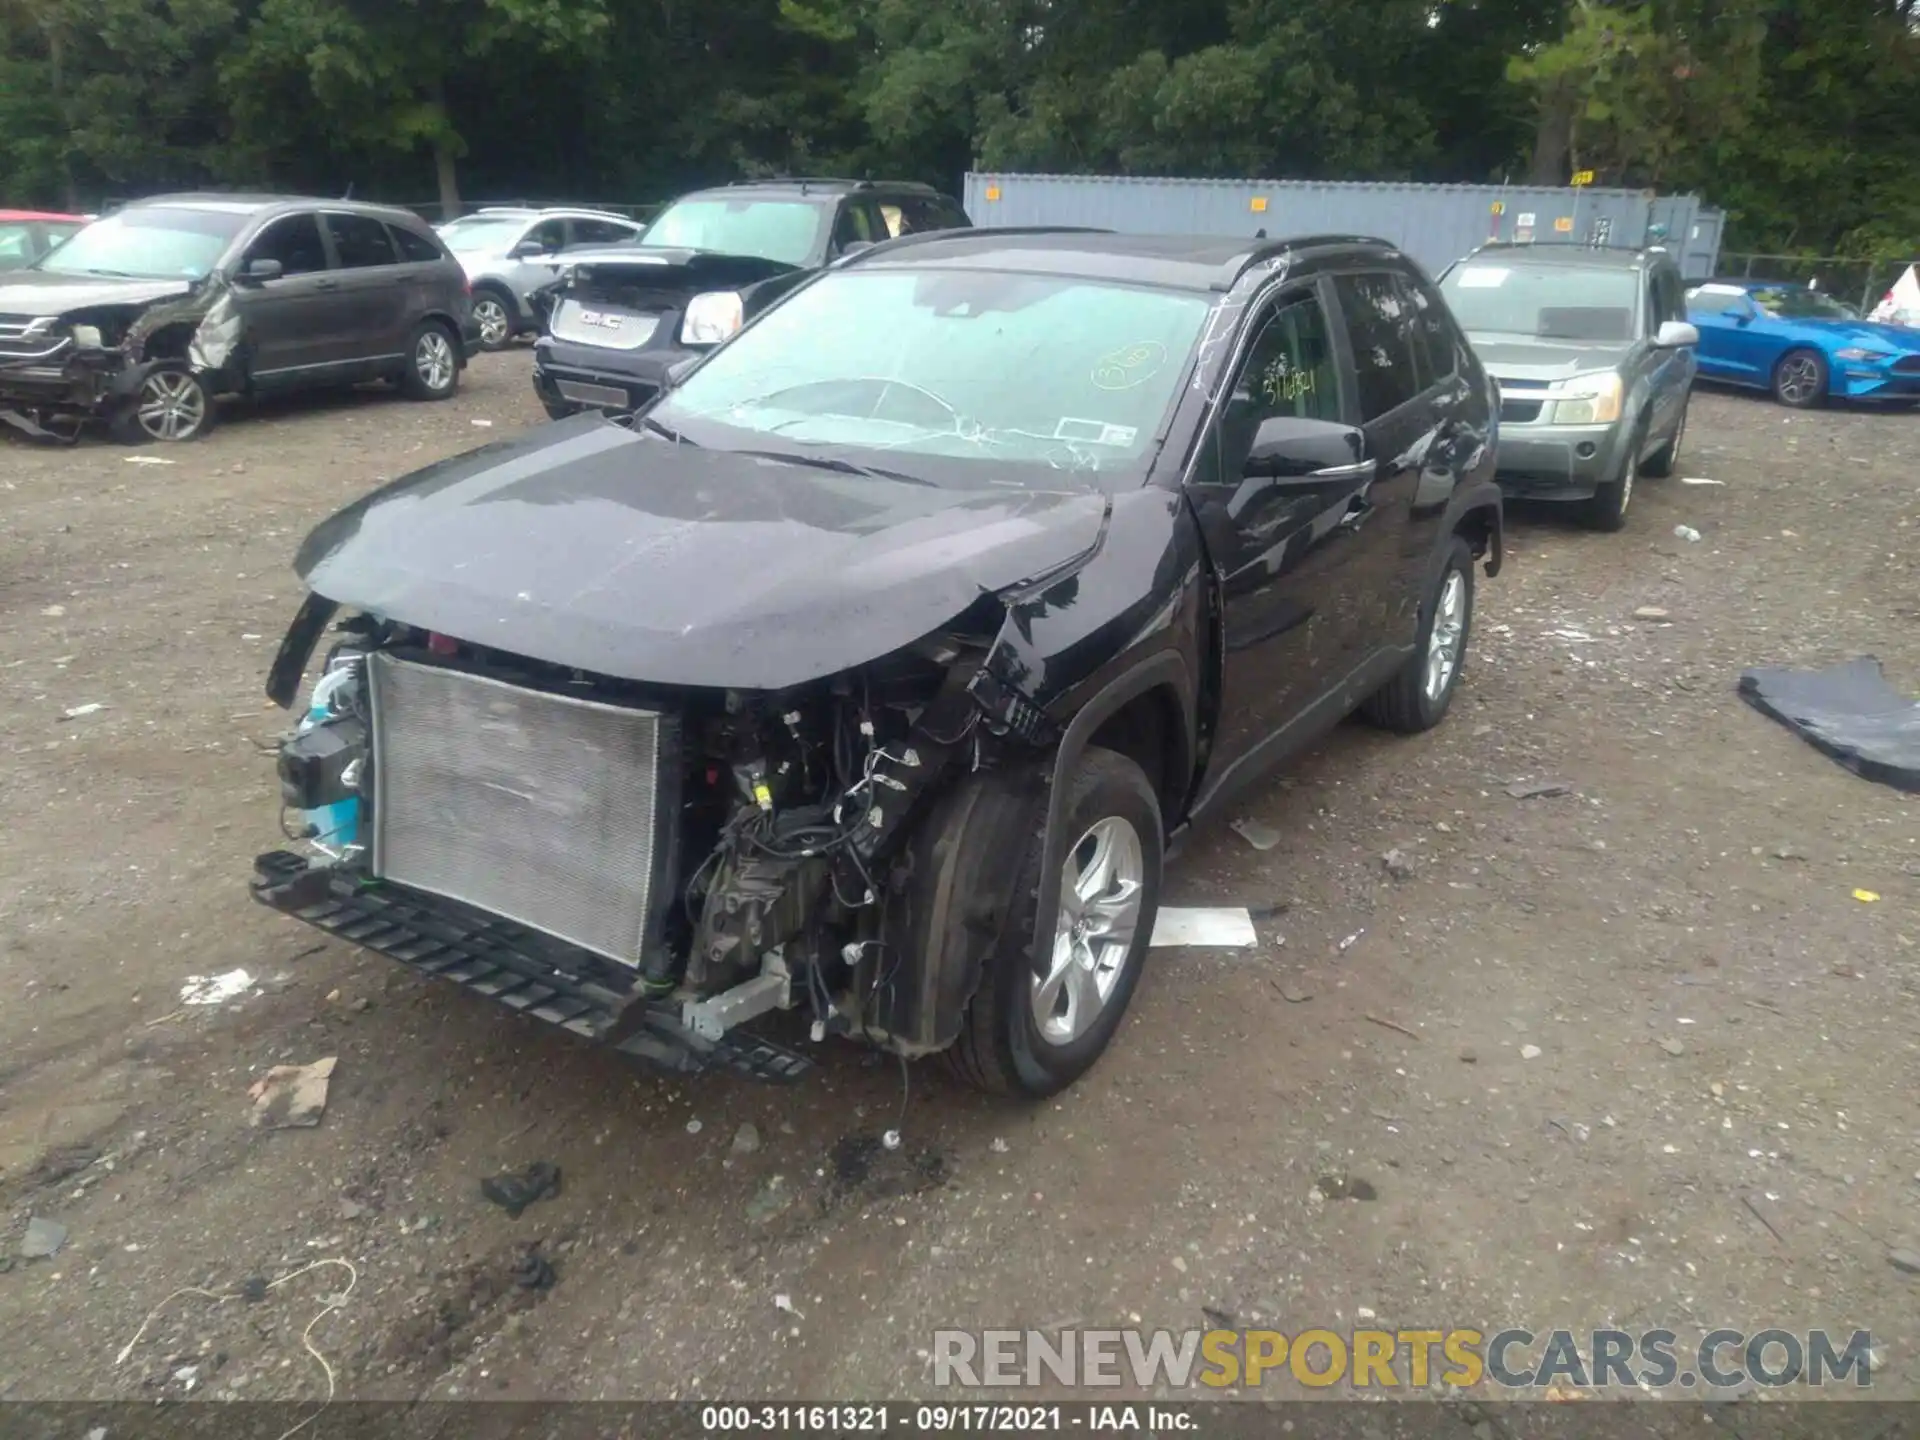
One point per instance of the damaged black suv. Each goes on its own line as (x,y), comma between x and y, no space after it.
(869,674)
(147,314)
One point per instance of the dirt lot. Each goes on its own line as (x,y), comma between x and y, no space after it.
(1661,1071)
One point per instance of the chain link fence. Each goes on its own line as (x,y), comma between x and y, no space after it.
(1860,283)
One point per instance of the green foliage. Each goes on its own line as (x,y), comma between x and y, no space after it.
(1797,115)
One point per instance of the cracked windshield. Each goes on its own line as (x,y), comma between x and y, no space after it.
(1060,373)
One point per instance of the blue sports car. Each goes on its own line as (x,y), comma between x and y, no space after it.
(1801,344)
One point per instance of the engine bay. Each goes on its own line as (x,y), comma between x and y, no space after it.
(784,850)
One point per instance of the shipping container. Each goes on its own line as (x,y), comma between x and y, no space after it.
(1435,224)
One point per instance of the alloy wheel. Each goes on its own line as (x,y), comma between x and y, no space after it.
(491,316)
(1101,887)
(1799,379)
(433,359)
(172,405)
(1449,628)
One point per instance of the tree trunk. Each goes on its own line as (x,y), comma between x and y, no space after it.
(1552,141)
(445,151)
(56,53)
(449,184)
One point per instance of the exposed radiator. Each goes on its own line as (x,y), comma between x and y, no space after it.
(541,808)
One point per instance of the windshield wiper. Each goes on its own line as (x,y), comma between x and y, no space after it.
(648,422)
(831,462)
(115,274)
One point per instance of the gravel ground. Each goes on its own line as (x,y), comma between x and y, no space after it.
(1645,1059)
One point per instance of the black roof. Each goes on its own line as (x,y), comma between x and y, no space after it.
(1190,262)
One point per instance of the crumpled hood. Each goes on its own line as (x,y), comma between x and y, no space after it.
(587,545)
(41,292)
(1546,360)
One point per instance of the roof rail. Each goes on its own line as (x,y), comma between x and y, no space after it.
(797,180)
(1266,249)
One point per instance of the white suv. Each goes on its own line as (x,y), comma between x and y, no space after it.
(502,249)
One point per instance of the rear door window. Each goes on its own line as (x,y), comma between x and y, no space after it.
(360,241)
(1381,329)
(293,240)
(414,249)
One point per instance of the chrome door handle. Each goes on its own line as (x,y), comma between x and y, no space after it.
(1346,472)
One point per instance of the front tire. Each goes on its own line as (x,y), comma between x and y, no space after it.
(1418,696)
(171,404)
(1800,379)
(1607,509)
(1031,1034)
(1660,465)
(433,365)
(493,312)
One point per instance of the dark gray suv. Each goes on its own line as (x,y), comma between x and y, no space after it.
(1595,359)
(147,314)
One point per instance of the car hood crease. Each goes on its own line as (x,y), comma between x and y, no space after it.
(587,545)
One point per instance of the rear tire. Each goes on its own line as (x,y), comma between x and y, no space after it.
(433,364)
(493,312)
(1419,694)
(1800,379)
(1033,1039)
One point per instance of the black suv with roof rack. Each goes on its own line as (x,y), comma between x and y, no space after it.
(870,680)
(618,318)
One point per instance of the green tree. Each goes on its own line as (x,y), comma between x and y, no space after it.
(380,71)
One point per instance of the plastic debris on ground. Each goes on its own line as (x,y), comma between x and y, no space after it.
(43,1239)
(1260,836)
(1538,789)
(215,989)
(148,460)
(292,1097)
(1227,926)
(1699,480)
(1848,712)
(1865,897)
(517,1189)
(1688,534)
(80,710)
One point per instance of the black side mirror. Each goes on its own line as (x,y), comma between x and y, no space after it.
(1286,445)
(260,271)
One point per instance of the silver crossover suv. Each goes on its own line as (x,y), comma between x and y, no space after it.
(502,247)
(1594,358)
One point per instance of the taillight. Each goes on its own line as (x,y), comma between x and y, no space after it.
(439,644)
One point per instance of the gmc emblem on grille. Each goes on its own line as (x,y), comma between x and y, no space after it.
(600,318)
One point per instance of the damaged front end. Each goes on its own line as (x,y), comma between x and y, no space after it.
(145,359)
(654,867)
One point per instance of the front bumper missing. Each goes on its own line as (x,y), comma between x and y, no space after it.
(523,969)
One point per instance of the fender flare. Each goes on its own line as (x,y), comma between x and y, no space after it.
(1164,667)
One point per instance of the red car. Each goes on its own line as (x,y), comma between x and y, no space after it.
(26,235)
